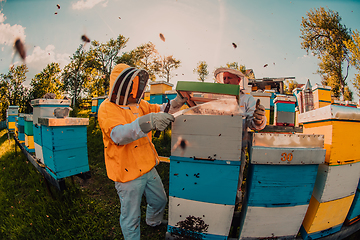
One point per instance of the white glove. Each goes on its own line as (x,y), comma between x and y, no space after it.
(158,121)
(177,103)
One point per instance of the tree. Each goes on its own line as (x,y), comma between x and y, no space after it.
(324,35)
(354,49)
(289,86)
(12,90)
(201,70)
(47,81)
(106,54)
(74,76)
(143,57)
(165,65)
(235,65)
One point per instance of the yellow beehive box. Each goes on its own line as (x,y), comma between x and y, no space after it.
(159,87)
(321,96)
(338,124)
(29,141)
(147,96)
(11,125)
(322,216)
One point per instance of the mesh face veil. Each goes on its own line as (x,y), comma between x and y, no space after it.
(130,81)
(219,76)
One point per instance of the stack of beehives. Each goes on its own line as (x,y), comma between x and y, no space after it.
(281,177)
(337,179)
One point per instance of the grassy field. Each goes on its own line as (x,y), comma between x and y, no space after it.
(85,210)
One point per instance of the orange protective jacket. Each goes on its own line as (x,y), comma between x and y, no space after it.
(126,162)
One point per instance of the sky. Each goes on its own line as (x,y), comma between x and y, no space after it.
(265,32)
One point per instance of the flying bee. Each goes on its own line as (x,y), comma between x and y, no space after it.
(265,65)
(162,37)
(20,48)
(234,45)
(58,6)
(85,38)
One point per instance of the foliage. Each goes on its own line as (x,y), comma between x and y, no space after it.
(12,90)
(324,36)
(105,56)
(47,81)
(289,86)
(143,57)
(201,70)
(165,65)
(235,65)
(74,76)
(354,49)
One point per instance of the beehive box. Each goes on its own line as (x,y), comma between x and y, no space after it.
(284,110)
(336,123)
(334,182)
(64,146)
(28,125)
(265,99)
(321,96)
(45,107)
(38,142)
(20,128)
(159,87)
(354,212)
(13,110)
(29,133)
(204,174)
(325,218)
(94,105)
(274,189)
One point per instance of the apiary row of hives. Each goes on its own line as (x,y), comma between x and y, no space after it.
(58,143)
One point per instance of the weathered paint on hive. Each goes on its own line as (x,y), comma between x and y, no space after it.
(262,222)
(208,136)
(218,217)
(335,182)
(322,216)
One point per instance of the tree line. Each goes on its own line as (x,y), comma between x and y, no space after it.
(87,75)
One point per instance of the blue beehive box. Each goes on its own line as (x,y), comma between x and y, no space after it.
(284,110)
(64,146)
(276,197)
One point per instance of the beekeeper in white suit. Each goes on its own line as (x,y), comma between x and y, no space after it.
(254,119)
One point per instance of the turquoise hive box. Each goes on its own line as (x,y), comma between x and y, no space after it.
(64,145)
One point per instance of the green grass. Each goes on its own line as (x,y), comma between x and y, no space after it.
(87,209)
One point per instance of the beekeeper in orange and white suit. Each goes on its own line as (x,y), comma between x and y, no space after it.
(254,114)
(126,122)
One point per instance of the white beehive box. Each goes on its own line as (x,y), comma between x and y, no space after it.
(208,136)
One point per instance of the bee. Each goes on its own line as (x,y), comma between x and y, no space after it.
(19,47)
(234,45)
(58,6)
(265,65)
(162,37)
(85,38)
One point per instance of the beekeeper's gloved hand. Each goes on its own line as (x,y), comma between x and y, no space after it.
(259,113)
(177,103)
(158,121)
